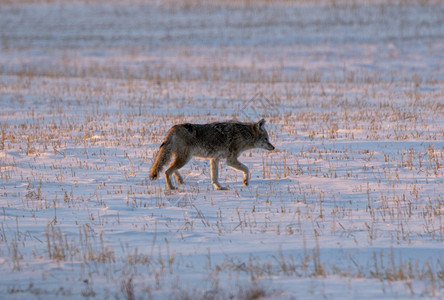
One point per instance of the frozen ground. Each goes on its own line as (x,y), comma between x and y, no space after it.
(350,205)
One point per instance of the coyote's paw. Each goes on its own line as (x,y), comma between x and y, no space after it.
(245,181)
(220,188)
(172,188)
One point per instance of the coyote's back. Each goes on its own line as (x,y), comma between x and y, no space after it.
(224,140)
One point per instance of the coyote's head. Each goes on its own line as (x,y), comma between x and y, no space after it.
(261,136)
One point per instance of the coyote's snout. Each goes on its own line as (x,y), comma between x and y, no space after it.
(215,141)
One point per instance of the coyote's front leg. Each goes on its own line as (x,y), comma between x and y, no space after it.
(214,168)
(235,164)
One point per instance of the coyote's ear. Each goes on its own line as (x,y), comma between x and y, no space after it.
(261,124)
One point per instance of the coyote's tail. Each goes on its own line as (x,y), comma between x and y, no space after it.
(162,158)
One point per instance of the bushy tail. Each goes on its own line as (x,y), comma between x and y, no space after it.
(162,158)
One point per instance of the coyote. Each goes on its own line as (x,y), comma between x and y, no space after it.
(226,140)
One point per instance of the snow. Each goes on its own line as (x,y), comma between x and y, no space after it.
(349,205)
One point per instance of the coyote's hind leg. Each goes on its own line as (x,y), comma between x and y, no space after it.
(178,163)
(178,177)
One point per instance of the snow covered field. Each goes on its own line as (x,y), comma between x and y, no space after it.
(349,206)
